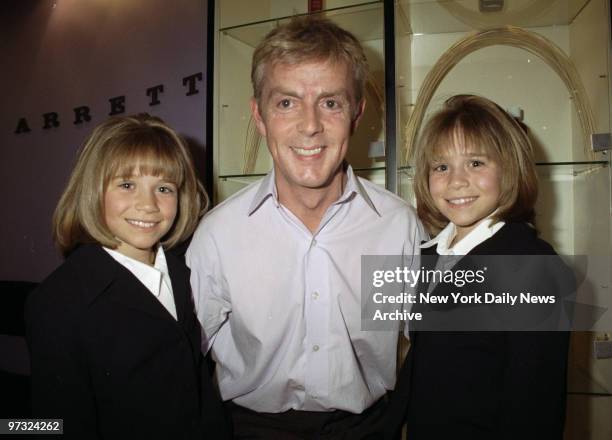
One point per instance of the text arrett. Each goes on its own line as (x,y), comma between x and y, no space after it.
(117,106)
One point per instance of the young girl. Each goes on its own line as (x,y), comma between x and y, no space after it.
(476,184)
(114,342)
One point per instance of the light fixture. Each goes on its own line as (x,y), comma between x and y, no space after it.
(490,5)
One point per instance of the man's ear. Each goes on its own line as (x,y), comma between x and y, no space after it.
(358,114)
(259,122)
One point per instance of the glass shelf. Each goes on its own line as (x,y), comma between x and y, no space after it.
(237,13)
(569,168)
(548,172)
(575,168)
(357,19)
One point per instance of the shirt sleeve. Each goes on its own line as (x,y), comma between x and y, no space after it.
(209,285)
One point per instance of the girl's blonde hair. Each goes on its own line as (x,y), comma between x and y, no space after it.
(122,146)
(476,122)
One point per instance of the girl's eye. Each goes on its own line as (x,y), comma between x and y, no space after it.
(440,168)
(477,163)
(126,185)
(166,189)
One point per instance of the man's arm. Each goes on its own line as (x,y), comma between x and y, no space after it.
(412,259)
(209,286)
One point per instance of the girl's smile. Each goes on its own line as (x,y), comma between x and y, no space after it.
(462,201)
(141,223)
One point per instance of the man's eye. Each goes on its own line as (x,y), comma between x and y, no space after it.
(331,103)
(284,103)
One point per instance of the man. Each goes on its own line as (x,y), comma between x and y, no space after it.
(276,268)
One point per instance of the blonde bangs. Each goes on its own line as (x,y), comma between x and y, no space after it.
(478,138)
(144,158)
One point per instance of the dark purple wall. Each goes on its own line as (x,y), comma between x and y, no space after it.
(82,53)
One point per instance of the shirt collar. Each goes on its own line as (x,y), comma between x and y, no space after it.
(480,233)
(150,276)
(267,189)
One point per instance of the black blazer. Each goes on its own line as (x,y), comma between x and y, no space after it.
(484,385)
(109,359)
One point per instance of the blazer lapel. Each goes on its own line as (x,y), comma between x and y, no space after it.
(107,277)
(130,292)
(180,288)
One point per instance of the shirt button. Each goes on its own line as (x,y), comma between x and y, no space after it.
(315,295)
(315,348)
(314,242)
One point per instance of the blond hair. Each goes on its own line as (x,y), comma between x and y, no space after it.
(121,146)
(309,38)
(476,122)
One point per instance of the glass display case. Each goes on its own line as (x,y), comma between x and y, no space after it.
(547,62)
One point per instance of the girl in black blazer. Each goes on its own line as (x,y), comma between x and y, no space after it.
(476,182)
(113,338)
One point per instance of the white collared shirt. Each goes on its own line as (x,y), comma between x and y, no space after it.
(281,306)
(155,278)
(483,231)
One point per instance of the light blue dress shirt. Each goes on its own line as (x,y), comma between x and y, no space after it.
(281,307)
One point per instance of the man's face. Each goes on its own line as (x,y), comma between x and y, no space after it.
(307,113)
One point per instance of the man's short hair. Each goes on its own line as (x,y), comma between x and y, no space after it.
(309,38)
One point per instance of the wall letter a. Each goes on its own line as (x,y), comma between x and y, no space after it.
(22,126)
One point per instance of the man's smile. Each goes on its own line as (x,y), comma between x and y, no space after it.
(308,151)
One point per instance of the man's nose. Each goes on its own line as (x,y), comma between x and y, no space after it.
(310,121)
